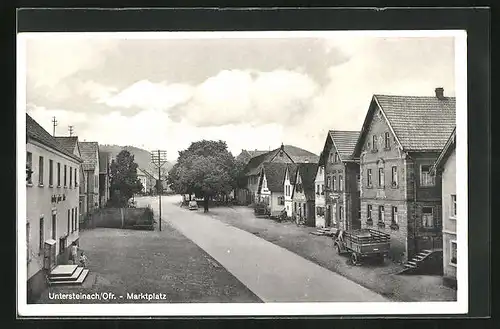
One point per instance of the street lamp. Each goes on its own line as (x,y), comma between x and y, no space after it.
(159,158)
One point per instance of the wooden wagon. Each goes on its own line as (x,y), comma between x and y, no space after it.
(362,244)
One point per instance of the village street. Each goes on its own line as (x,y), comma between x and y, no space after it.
(271,272)
(259,251)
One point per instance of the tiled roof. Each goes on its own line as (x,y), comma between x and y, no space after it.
(292,171)
(68,142)
(421,123)
(307,172)
(445,153)
(255,164)
(104,159)
(275,174)
(89,151)
(345,142)
(297,155)
(36,132)
(256,153)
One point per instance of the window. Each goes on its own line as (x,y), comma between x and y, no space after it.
(453,252)
(341,213)
(426,179)
(387,140)
(54,224)
(320,211)
(58,174)
(281,201)
(65,176)
(427,217)
(374,141)
(28,252)
(335,188)
(322,189)
(394,180)
(69,224)
(381,214)
(70,177)
(394,219)
(40,171)
(41,234)
(76,219)
(336,157)
(381,177)
(341,183)
(62,245)
(328,182)
(369,178)
(453,206)
(358,182)
(29,167)
(51,173)
(369,213)
(76,179)
(317,189)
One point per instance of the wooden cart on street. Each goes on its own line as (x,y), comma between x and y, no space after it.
(362,244)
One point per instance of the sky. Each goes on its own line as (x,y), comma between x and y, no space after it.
(254,93)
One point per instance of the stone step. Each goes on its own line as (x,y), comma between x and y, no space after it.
(73,277)
(407,265)
(412,263)
(78,281)
(63,270)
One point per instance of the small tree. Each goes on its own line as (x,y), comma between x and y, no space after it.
(123,177)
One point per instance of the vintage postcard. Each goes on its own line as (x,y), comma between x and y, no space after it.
(242,173)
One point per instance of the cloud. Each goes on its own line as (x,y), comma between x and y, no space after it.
(248,96)
(147,95)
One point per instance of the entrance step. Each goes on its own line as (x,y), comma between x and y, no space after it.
(64,276)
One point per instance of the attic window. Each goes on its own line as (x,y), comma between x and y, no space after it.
(281,154)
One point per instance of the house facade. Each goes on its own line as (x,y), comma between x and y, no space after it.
(283,154)
(319,199)
(289,182)
(342,191)
(90,165)
(271,187)
(52,204)
(143,178)
(400,140)
(446,167)
(303,194)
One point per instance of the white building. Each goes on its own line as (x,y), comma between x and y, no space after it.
(319,200)
(52,198)
(290,173)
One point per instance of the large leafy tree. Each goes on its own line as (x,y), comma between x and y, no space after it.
(123,177)
(205,169)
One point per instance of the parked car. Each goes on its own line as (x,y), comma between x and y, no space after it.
(193,205)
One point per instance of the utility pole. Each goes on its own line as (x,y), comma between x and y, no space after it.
(54,124)
(159,158)
(70,128)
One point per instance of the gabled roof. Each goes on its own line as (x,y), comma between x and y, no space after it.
(296,155)
(292,171)
(36,132)
(89,152)
(275,174)
(307,172)
(344,142)
(419,123)
(68,142)
(445,153)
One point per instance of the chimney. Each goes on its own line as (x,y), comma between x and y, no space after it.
(440,93)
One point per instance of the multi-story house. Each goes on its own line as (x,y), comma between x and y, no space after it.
(400,140)
(143,178)
(342,180)
(303,194)
(283,154)
(319,199)
(271,186)
(71,144)
(51,204)
(104,180)
(446,167)
(90,157)
(289,181)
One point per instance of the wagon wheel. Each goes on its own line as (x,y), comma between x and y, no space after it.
(354,258)
(381,259)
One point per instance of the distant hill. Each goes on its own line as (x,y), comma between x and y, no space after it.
(141,156)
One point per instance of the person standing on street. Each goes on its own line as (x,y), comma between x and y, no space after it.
(73,253)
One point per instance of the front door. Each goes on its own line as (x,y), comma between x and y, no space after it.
(333,214)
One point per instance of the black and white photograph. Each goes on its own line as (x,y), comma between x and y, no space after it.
(242,173)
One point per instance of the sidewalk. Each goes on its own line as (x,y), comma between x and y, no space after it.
(320,250)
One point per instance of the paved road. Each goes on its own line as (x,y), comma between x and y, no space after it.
(272,273)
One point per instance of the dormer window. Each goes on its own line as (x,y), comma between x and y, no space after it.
(336,157)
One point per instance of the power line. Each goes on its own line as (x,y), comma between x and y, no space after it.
(70,128)
(54,124)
